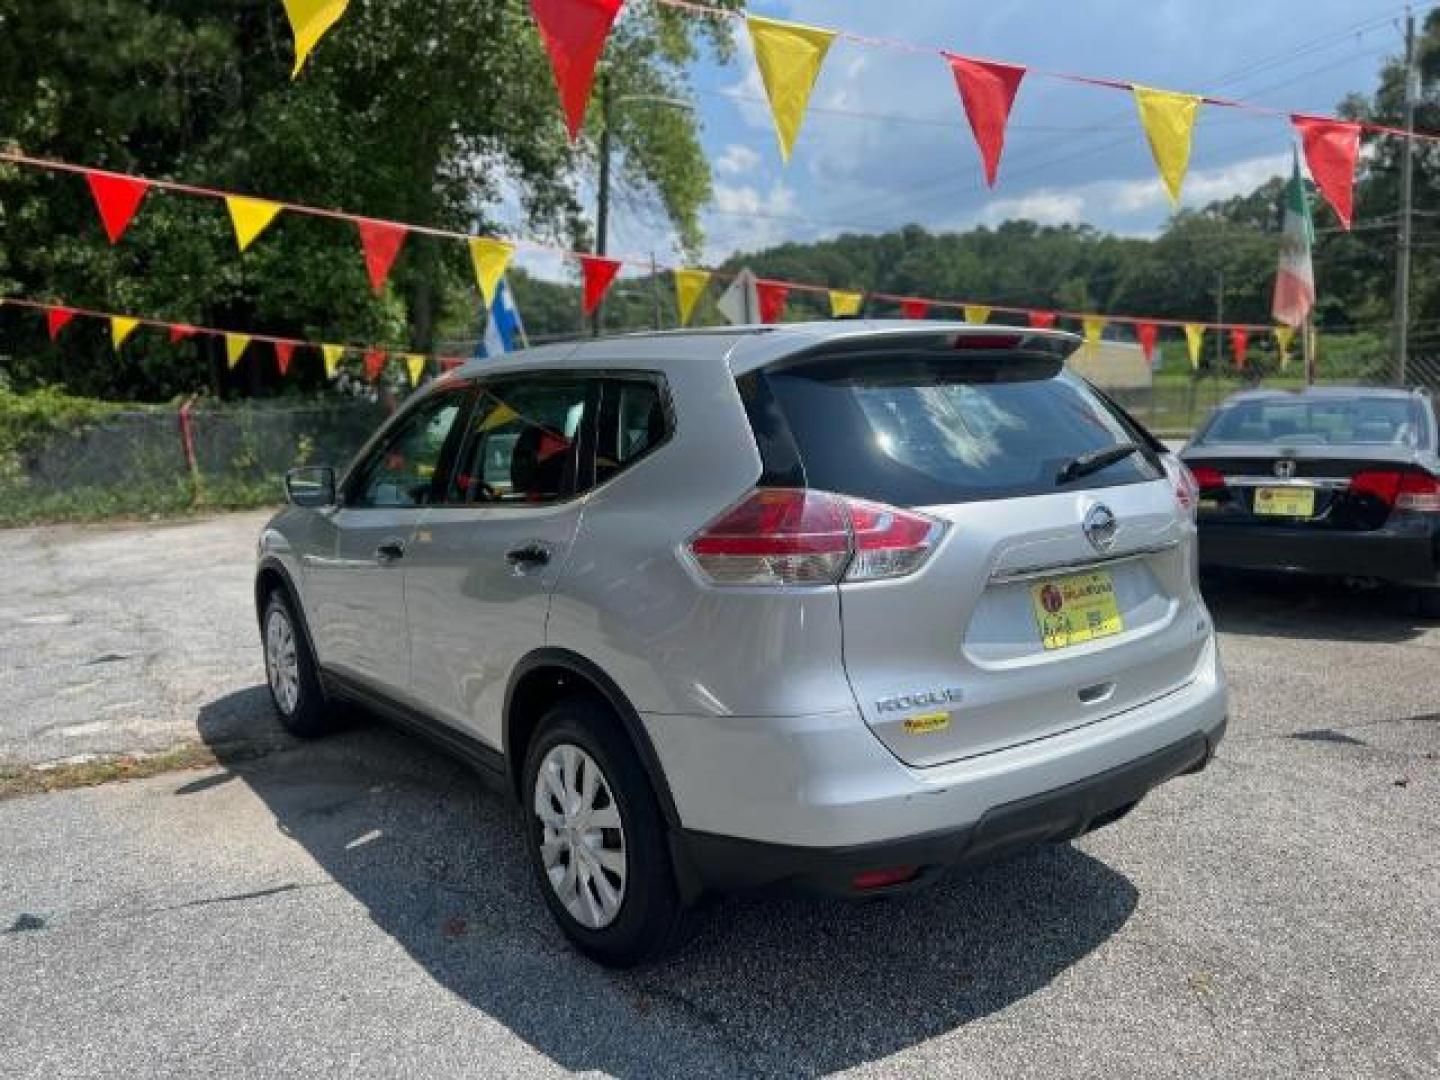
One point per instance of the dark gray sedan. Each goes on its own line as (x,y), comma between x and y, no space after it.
(1336,481)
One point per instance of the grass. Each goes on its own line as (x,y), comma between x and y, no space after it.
(22,504)
(16,781)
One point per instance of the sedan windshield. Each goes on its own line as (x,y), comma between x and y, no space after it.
(1342,421)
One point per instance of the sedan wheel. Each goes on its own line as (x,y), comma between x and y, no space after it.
(582,843)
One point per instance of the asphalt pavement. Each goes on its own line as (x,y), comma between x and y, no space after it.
(360,906)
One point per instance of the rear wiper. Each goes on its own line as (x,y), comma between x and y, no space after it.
(1094,461)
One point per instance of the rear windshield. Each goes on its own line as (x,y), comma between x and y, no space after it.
(1348,421)
(948,428)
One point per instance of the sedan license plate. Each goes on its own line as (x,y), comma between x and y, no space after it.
(1075,609)
(1295,502)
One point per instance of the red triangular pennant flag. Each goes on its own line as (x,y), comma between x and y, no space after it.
(988,91)
(57,318)
(179,333)
(551,444)
(1042,320)
(284,353)
(1331,149)
(772,296)
(1239,345)
(1147,333)
(375,363)
(574,32)
(914,309)
(381,241)
(452,363)
(118,198)
(597,274)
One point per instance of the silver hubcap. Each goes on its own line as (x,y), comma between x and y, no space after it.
(282,662)
(582,843)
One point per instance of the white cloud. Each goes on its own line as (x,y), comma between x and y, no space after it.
(737,159)
(1045,207)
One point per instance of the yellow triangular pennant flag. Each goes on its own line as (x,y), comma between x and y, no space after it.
(490,257)
(1169,122)
(310,19)
(789,56)
(1094,326)
(845,304)
(689,287)
(977,313)
(1284,336)
(499,416)
(1194,339)
(121,328)
(251,217)
(235,346)
(415,363)
(333,354)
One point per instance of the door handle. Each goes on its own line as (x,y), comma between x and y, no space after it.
(390,551)
(529,555)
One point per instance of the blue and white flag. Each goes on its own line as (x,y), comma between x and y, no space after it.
(504,329)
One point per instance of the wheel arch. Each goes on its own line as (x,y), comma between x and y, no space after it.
(271,574)
(549,674)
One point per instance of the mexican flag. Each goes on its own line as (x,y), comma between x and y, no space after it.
(1295,281)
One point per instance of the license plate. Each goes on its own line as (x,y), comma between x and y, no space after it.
(1075,609)
(1296,502)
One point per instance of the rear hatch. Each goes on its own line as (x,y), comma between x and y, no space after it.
(1048,603)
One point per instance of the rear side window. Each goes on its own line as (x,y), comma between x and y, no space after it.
(633,421)
(523,443)
(948,427)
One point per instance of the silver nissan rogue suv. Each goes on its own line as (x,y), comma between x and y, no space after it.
(837,606)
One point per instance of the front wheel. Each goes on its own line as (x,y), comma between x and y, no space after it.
(596,839)
(290,670)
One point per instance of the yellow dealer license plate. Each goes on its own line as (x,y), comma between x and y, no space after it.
(1296,502)
(1072,610)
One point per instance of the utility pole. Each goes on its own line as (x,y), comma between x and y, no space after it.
(1407,200)
(602,209)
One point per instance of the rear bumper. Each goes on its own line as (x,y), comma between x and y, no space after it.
(726,864)
(1404,553)
(806,800)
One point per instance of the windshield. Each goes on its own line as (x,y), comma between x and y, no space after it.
(1354,421)
(945,429)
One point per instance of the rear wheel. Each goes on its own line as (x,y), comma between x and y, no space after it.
(596,839)
(290,670)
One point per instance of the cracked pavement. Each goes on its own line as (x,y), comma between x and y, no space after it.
(360,905)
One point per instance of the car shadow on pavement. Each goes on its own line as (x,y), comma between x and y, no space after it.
(1311,609)
(791,986)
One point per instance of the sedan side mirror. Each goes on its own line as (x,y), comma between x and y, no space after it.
(312,486)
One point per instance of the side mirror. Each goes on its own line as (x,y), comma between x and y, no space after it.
(312,486)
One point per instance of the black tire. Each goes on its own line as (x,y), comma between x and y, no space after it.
(312,714)
(651,920)
(1427,603)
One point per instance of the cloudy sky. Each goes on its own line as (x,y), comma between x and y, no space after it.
(1073,153)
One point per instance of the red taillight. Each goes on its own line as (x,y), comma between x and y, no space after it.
(1208,479)
(880,879)
(790,536)
(1187,489)
(1417,491)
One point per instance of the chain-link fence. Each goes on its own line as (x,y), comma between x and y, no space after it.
(167,460)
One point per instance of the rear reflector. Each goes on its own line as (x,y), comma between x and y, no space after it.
(792,536)
(879,879)
(1187,488)
(1416,491)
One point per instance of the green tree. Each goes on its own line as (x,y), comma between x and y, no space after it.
(431,111)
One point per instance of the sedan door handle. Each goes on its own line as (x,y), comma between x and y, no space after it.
(390,551)
(529,555)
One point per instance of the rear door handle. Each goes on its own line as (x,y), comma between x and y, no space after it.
(390,551)
(529,555)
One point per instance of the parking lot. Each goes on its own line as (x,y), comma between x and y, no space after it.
(361,905)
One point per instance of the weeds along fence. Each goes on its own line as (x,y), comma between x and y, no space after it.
(135,461)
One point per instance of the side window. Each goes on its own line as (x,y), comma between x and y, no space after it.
(523,444)
(401,472)
(632,423)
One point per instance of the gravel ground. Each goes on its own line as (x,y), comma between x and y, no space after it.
(361,904)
